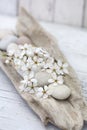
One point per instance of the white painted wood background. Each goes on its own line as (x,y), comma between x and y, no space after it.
(71,12)
(14,113)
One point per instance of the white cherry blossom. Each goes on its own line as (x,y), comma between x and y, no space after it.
(23,47)
(56,79)
(28,60)
(43,92)
(22,88)
(29,84)
(63,67)
(53,68)
(41,52)
(49,63)
(38,63)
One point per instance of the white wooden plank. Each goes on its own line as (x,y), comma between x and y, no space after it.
(14,112)
(40,9)
(7,22)
(73,43)
(8,7)
(69,12)
(17,116)
(24,3)
(85,14)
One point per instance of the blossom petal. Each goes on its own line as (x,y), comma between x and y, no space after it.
(45,96)
(39,94)
(60,63)
(22,88)
(45,87)
(32,91)
(40,89)
(27,89)
(50,80)
(54,76)
(34,81)
(29,83)
(36,89)
(49,71)
(65,65)
(61,72)
(31,75)
(60,79)
(65,71)
(35,58)
(40,59)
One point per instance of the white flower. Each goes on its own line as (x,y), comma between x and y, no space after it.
(37,60)
(45,53)
(29,84)
(49,63)
(38,63)
(55,80)
(26,46)
(32,86)
(42,92)
(30,63)
(28,60)
(17,61)
(26,49)
(30,51)
(17,54)
(23,67)
(41,52)
(27,78)
(23,47)
(22,88)
(63,67)
(38,52)
(53,68)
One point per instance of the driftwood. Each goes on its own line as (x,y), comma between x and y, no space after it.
(67,115)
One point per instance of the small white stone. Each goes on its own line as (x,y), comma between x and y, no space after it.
(60,92)
(42,78)
(12,48)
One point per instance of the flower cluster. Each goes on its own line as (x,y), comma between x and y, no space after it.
(28,60)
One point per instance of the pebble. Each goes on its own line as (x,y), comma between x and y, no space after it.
(23,40)
(6,41)
(42,78)
(60,92)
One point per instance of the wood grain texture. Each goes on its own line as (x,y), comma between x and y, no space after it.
(40,9)
(14,113)
(59,11)
(74,109)
(69,12)
(85,13)
(9,7)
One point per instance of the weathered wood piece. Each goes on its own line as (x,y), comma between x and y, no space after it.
(67,115)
